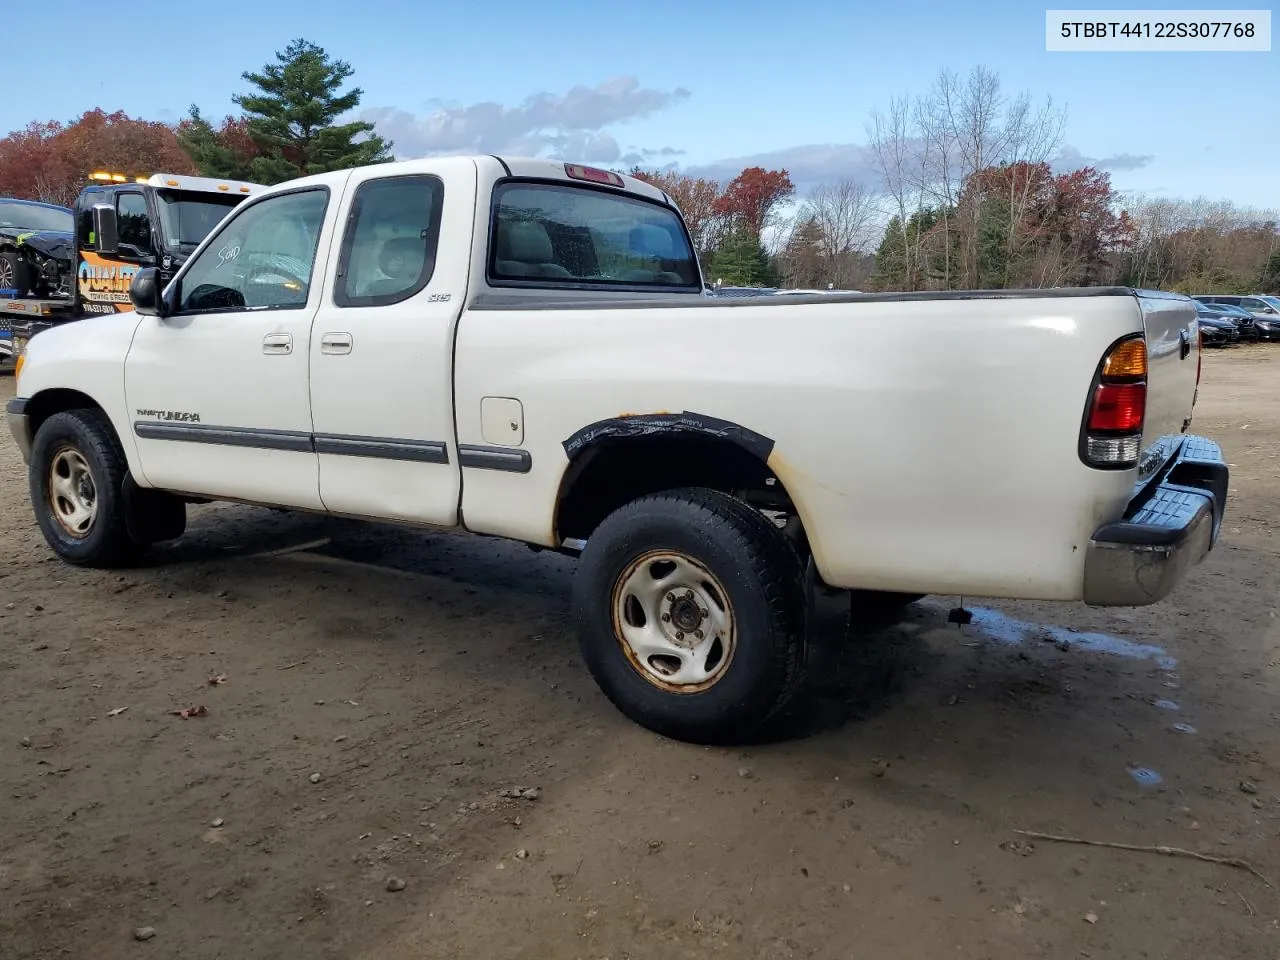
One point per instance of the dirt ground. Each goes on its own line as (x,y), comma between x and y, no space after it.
(384,688)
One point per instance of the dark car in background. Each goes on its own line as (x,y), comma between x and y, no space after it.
(36,240)
(1217,331)
(1241,317)
(1264,309)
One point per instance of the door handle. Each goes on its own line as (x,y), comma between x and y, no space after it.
(277,343)
(335,343)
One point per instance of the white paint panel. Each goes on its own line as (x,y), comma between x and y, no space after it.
(930,446)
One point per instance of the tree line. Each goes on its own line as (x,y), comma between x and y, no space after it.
(961,191)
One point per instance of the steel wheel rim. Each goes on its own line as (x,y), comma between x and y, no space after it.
(673,620)
(73,495)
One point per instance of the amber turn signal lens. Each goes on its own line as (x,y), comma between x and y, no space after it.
(1126,359)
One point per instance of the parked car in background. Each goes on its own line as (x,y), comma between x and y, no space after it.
(1217,331)
(1264,309)
(1239,316)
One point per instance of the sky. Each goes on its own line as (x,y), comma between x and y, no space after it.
(708,86)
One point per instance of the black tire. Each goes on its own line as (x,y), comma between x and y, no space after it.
(16,271)
(105,542)
(763,581)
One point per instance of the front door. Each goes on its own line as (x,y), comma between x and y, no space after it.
(218,391)
(382,345)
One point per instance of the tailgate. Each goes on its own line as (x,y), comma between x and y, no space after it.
(1173,352)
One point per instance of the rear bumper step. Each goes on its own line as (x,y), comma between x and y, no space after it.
(1166,530)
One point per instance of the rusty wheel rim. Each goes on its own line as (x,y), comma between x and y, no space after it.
(73,495)
(674,621)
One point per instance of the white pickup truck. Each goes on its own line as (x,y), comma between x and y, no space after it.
(524,349)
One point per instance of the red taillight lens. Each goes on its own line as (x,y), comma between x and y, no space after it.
(1118,408)
(1112,435)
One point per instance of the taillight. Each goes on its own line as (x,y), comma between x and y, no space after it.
(1112,434)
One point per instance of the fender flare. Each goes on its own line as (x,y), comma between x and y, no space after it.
(686,422)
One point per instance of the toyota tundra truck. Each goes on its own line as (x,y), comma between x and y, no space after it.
(522,348)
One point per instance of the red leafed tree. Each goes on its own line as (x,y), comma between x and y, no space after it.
(1082,219)
(698,200)
(752,196)
(52,161)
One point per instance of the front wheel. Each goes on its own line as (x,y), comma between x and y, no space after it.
(690,611)
(76,480)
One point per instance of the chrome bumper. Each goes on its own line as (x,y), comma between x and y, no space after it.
(1166,530)
(20,426)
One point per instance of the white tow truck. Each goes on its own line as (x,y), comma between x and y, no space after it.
(521,348)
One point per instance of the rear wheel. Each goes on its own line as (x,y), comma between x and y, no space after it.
(690,611)
(77,479)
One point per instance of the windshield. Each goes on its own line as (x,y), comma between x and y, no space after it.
(30,216)
(189,217)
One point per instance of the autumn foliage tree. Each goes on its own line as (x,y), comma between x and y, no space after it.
(51,161)
(753,196)
(698,199)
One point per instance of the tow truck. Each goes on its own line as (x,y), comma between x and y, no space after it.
(123,223)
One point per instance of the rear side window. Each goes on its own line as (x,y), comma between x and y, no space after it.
(552,235)
(389,246)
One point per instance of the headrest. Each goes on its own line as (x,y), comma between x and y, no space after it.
(526,242)
(401,258)
(650,241)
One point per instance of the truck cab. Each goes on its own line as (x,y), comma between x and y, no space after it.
(121,224)
(124,225)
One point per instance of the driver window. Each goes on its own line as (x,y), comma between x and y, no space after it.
(133,225)
(262,258)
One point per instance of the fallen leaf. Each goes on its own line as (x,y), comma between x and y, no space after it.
(1091,917)
(186,712)
(218,680)
(116,712)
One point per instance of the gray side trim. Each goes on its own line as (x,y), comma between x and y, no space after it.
(553,300)
(226,436)
(384,448)
(494,458)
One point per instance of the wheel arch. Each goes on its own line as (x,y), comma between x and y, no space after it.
(45,403)
(619,459)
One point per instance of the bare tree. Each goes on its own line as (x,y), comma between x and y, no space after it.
(842,212)
(894,156)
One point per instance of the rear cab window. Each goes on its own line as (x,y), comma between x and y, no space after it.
(568,236)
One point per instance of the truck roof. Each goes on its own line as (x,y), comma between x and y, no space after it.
(524,167)
(182,181)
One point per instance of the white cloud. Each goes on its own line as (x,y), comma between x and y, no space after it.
(1069,158)
(571,125)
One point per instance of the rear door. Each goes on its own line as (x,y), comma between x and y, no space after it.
(382,344)
(218,390)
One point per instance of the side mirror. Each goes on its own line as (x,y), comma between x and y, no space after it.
(106,238)
(147,293)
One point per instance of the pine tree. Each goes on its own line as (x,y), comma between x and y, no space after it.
(217,153)
(742,261)
(293,117)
